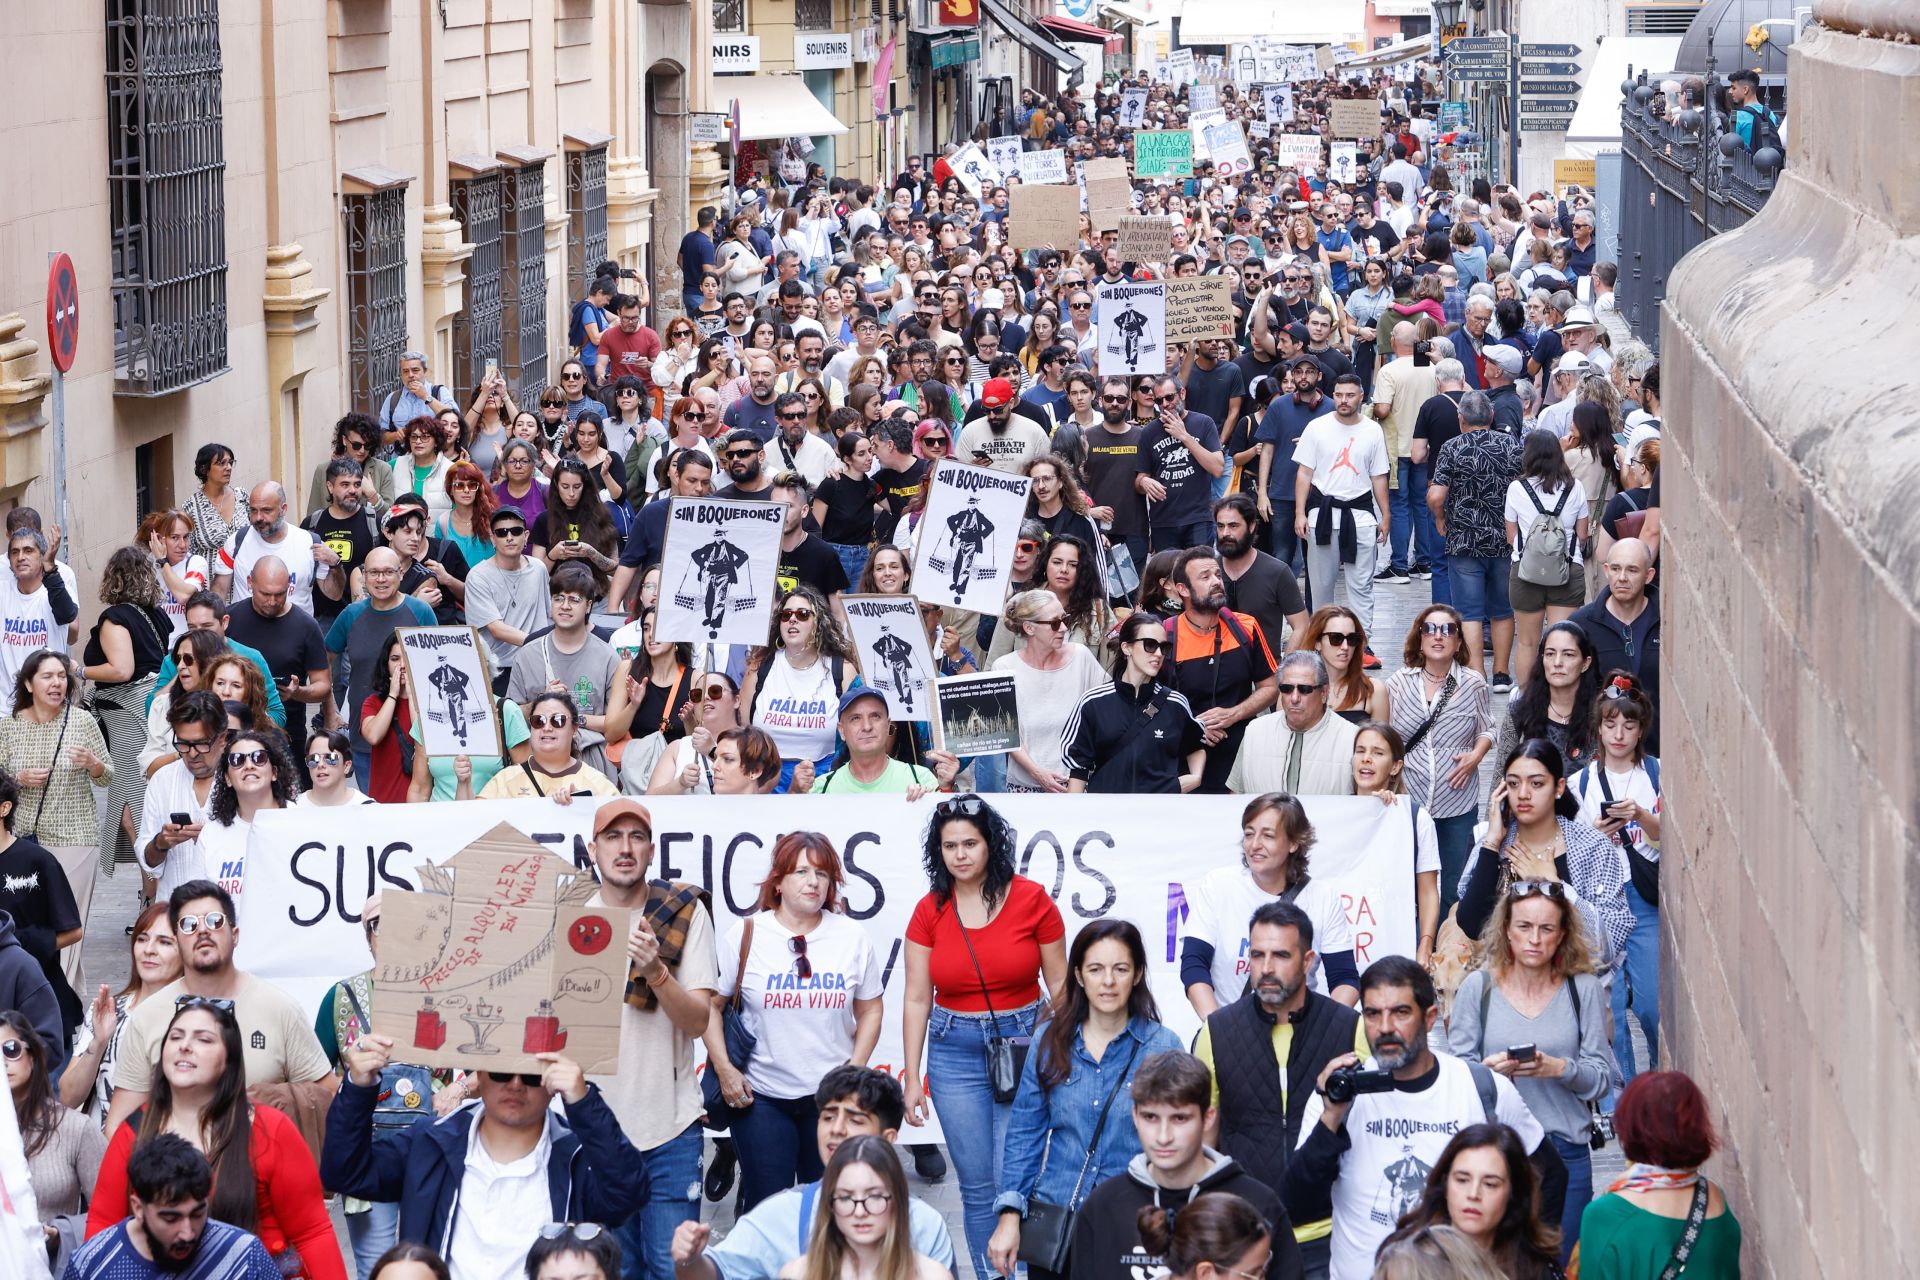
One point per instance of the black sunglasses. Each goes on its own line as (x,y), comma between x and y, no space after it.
(1301,688)
(508,1077)
(1340,639)
(802,967)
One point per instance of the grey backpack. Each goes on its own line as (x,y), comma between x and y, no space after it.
(1546,550)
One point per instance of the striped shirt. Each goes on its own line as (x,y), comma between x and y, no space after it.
(225,1253)
(1465,719)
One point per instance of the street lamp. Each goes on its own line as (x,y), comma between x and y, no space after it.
(1446,12)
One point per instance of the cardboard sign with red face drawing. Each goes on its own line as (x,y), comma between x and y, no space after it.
(498,959)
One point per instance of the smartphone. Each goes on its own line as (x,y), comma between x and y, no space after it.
(1520,1052)
(180,819)
(493,370)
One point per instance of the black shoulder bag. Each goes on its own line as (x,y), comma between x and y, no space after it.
(1046,1229)
(1690,1234)
(1006,1055)
(1426,726)
(740,1043)
(1644,872)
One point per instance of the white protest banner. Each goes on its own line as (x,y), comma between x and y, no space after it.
(974,170)
(1133,108)
(1180,66)
(1049,166)
(1345,163)
(1279,99)
(1203,97)
(965,552)
(1199,307)
(1296,62)
(1004,153)
(1227,144)
(890,645)
(452,691)
(1138,858)
(717,570)
(1299,151)
(1133,328)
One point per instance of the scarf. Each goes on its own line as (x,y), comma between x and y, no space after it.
(1652,1177)
(669,911)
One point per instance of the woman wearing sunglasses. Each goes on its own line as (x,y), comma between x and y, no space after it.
(807,978)
(465,524)
(1109,747)
(256,773)
(1334,632)
(87,1083)
(330,768)
(679,350)
(685,768)
(1535,1012)
(552,770)
(795,682)
(264,1179)
(1051,673)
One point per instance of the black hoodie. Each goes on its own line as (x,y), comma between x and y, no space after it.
(24,987)
(1106,1236)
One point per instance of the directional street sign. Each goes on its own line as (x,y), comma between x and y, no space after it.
(1550,86)
(1549,50)
(1549,68)
(1547,106)
(1477,44)
(1492,74)
(1535,124)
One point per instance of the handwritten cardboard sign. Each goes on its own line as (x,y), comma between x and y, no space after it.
(1145,238)
(1199,307)
(1047,166)
(1109,193)
(1039,215)
(1299,151)
(498,958)
(1354,117)
(1163,153)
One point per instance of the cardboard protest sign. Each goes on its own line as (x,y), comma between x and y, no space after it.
(1133,327)
(1203,97)
(1004,153)
(979,714)
(965,554)
(1279,99)
(1354,117)
(1297,62)
(1323,59)
(498,958)
(1147,238)
(975,171)
(1345,162)
(717,570)
(1299,151)
(1165,153)
(1041,215)
(1199,307)
(893,653)
(1180,66)
(1043,166)
(1227,144)
(1109,193)
(1133,108)
(452,691)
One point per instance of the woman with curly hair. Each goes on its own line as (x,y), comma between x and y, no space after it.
(424,469)
(237,682)
(256,773)
(793,684)
(978,947)
(122,657)
(1483,1188)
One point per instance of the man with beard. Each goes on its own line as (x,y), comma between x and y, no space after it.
(277,1032)
(345,525)
(291,641)
(800,449)
(1221,662)
(754,411)
(804,556)
(1280,1029)
(1257,583)
(1377,1147)
(167,1231)
(672,972)
(267,533)
(744,455)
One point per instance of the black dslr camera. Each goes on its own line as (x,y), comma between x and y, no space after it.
(1350,1082)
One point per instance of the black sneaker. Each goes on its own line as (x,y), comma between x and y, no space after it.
(928,1162)
(1391,574)
(1421,572)
(720,1173)
(1502,682)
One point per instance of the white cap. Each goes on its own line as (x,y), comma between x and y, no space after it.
(992,299)
(1573,362)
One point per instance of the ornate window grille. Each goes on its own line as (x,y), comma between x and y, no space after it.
(166,165)
(376,273)
(477,337)
(586,213)
(729,15)
(523,279)
(813,15)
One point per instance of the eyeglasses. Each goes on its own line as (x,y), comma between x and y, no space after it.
(186,748)
(874,1202)
(1148,644)
(1301,689)
(259,755)
(802,967)
(1439,628)
(558,720)
(578,1230)
(796,615)
(1339,639)
(1549,889)
(510,531)
(331,759)
(572,599)
(525,1078)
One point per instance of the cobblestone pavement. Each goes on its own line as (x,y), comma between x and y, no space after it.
(1395,607)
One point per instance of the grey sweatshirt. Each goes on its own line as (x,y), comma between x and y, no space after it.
(1560,1105)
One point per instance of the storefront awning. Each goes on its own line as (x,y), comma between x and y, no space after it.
(1127,13)
(1388,55)
(1076,30)
(1036,40)
(1290,21)
(776,106)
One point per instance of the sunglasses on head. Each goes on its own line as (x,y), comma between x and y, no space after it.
(202,1002)
(532,1082)
(1551,889)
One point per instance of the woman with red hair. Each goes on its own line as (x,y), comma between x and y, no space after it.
(808,984)
(1663,1211)
(468,522)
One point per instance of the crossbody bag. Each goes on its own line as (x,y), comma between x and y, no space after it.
(1006,1055)
(1046,1229)
(740,1044)
(1433,716)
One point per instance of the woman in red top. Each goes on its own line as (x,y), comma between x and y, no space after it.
(978,947)
(386,722)
(264,1179)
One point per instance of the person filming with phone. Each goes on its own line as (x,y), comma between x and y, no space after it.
(1375,1128)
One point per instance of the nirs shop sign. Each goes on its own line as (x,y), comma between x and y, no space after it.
(730,53)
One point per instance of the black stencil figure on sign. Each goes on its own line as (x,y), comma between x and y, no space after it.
(1132,325)
(967,532)
(896,656)
(452,684)
(717,569)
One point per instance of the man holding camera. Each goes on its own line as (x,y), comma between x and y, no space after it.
(1374,1130)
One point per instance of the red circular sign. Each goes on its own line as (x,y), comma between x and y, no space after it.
(63,312)
(590,935)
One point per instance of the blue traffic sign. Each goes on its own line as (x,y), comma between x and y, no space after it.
(1549,50)
(1549,68)
(1550,86)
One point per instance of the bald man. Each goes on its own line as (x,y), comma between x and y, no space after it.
(289,639)
(1624,624)
(361,633)
(266,533)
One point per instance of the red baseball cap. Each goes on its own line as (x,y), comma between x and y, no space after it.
(997,392)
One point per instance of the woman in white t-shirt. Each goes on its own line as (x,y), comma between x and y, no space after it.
(330,768)
(1379,769)
(809,989)
(1050,675)
(793,686)
(169,536)
(1545,483)
(1275,841)
(256,773)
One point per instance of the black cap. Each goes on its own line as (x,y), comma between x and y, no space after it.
(1295,364)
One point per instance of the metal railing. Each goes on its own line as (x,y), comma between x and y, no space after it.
(523,280)
(477,337)
(1684,175)
(586,213)
(376,276)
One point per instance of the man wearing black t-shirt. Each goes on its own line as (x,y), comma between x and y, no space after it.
(1215,387)
(346,527)
(1112,471)
(804,557)
(1257,584)
(1179,458)
(744,455)
(900,474)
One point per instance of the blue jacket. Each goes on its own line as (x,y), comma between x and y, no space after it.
(593,1173)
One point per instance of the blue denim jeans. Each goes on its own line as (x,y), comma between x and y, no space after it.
(363,767)
(853,559)
(1479,587)
(989,775)
(1179,537)
(779,1144)
(975,1125)
(1455,837)
(1578,1158)
(1287,548)
(371,1234)
(1638,977)
(1412,519)
(673,1197)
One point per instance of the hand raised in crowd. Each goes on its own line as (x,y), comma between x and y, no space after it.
(563,1076)
(103,1015)
(366,1058)
(643,949)
(690,1241)
(462,769)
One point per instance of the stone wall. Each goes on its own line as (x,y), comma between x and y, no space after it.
(1791,695)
